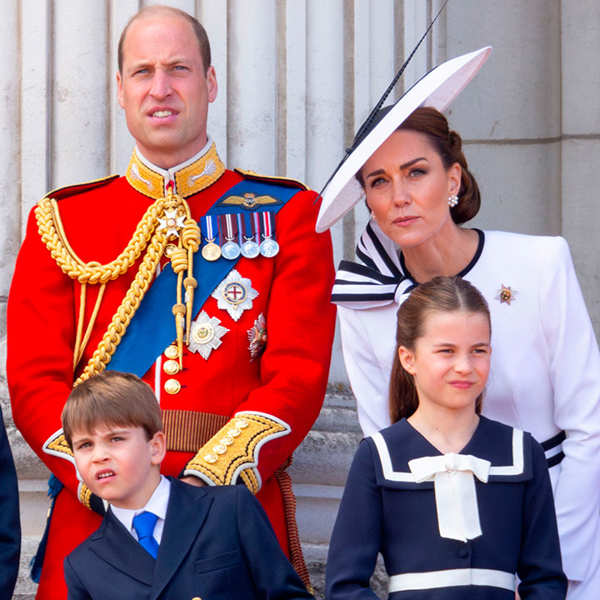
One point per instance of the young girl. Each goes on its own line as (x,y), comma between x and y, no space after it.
(458,505)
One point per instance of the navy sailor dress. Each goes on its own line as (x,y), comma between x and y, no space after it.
(389,507)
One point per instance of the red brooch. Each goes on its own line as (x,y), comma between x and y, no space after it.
(257,336)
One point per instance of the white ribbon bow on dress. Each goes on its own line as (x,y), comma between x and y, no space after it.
(455,495)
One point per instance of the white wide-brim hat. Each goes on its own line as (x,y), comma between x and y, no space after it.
(436,89)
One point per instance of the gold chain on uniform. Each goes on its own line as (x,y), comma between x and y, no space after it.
(149,239)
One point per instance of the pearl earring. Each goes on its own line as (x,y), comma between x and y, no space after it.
(452,200)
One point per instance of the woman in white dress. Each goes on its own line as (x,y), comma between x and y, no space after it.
(545,372)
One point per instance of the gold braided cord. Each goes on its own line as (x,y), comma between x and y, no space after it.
(190,239)
(178,258)
(129,305)
(88,332)
(149,239)
(82,295)
(53,235)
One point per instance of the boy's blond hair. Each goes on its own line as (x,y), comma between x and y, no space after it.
(111,398)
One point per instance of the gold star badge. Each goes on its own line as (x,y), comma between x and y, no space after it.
(506,294)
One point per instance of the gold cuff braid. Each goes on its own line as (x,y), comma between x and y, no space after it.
(233,451)
(85,495)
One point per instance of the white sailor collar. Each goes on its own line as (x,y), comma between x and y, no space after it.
(507,449)
(187,178)
(379,276)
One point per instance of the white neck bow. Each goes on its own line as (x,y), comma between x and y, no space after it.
(455,495)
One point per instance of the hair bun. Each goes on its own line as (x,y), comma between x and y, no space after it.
(455,141)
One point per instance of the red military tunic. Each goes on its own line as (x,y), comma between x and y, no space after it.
(278,393)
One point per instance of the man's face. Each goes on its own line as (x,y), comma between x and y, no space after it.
(165,89)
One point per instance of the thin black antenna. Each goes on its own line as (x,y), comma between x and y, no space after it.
(367,122)
(387,92)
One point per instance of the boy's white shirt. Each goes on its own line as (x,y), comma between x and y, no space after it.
(157,504)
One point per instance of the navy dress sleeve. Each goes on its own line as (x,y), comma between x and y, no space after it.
(10,527)
(540,568)
(357,534)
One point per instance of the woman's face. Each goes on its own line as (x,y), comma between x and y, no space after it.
(407,188)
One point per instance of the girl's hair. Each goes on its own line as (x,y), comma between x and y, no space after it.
(441,294)
(448,144)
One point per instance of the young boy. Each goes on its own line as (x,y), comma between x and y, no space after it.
(160,537)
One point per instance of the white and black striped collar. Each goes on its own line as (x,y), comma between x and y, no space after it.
(375,278)
(379,276)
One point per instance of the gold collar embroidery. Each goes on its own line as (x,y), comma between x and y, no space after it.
(188,180)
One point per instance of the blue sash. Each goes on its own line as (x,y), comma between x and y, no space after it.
(152,328)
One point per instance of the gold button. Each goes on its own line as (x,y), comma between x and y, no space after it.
(171,351)
(172,386)
(220,449)
(234,432)
(227,440)
(242,423)
(171,367)
(210,458)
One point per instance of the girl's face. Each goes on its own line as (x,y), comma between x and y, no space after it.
(451,360)
(407,188)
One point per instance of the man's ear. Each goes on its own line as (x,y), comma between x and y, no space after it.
(407,359)
(158,448)
(211,82)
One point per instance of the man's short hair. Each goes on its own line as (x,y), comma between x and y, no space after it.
(111,398)
(199,31)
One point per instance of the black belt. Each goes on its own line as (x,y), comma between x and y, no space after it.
(555,440)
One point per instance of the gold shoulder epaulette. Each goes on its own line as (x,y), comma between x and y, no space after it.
(285,181)
(79,188)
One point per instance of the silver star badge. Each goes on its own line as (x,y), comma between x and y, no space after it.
(235,294)
(205,335)
(171,222)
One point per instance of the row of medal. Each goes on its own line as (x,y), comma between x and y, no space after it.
(231,235)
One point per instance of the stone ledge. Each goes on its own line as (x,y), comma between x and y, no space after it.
(33,504)
(315,556)
(324,457)
(25,588)
(316,510)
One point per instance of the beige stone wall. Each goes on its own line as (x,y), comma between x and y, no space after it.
(296,77)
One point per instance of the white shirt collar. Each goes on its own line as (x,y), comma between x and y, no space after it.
(157,504)
(169,174)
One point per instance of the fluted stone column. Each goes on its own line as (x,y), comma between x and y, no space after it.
(296,78)
(580,159)
(510,114)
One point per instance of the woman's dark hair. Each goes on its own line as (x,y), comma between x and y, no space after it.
(441,294)
(448,144)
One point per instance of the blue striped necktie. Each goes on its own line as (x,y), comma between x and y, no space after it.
(144,527)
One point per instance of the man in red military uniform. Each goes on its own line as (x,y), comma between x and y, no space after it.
(209,283)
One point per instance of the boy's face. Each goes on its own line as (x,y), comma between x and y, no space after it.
(119,464)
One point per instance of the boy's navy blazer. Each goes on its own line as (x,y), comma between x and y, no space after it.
(216,543)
